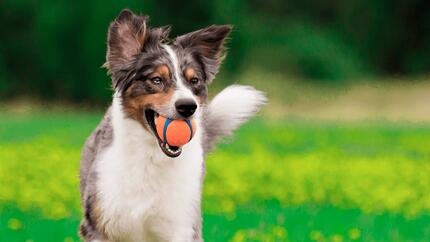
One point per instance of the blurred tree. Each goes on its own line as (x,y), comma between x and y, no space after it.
(53,50)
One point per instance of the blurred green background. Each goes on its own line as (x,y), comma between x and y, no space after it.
(340,152)
(54,49)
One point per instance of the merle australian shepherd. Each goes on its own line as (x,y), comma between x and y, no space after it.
(135,187)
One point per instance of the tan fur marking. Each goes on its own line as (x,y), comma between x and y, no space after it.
(96,214)
(161,71)
(135,107)
(189,73)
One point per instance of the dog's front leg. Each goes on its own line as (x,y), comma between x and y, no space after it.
(184,235)
(179,232)
(177,228)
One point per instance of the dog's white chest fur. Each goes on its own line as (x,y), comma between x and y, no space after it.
(144,195)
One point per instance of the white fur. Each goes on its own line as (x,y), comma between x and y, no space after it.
(181,90)
(145,195)
(232,107)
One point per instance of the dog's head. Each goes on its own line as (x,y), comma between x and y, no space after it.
(154,75)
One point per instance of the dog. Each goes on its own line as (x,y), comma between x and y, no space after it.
(134,186)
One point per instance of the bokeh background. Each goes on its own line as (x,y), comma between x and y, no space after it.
(340,153)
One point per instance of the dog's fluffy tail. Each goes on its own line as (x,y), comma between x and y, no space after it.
(228,110)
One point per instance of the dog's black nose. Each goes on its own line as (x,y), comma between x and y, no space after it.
(186,107)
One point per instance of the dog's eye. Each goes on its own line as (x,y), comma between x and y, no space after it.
(194,80)
(156,80)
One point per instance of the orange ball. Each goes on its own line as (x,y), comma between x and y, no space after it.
(175,132)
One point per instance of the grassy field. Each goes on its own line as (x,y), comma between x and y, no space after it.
(276,180)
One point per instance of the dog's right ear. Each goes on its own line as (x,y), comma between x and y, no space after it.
(208,45)
(126,36)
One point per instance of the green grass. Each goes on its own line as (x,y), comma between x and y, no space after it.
(284,180)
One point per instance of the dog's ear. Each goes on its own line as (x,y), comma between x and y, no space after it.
(126,37)
(208,45)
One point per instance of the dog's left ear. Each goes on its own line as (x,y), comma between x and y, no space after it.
(126,36)
(208,45)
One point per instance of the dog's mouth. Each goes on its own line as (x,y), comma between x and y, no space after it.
(171,151)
